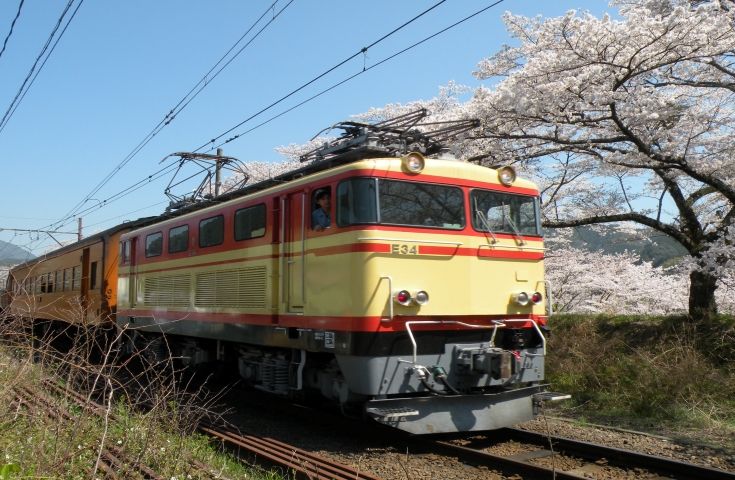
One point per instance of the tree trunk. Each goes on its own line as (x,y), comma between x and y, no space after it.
(702,305)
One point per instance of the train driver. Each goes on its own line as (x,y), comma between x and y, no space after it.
(321,217)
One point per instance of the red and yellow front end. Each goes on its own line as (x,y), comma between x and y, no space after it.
(430,291)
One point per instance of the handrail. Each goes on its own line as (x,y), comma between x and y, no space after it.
(363,239)
(283,251)
(303,243)
(495,326)
(390,298)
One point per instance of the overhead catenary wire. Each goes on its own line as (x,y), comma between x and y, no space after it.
(5,43)
(165,170)
(184,102)
(350,77)
(6,118)
(75,210)
(362,51)
(74,13)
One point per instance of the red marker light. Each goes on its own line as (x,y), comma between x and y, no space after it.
(537,298)
(403,297)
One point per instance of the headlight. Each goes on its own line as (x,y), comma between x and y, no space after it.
(507,175)
(520,298)
(421,298)
(414,162)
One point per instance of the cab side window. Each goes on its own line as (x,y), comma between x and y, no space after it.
(321,209)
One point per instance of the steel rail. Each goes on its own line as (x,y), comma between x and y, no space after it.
(503,464)
(306,463)
(112,457)
(622,458)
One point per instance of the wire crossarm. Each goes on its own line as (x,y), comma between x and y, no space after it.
(391,138)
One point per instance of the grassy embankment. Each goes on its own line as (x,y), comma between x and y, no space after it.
(36,445)
(657,374)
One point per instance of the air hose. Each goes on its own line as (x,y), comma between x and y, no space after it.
(441,374)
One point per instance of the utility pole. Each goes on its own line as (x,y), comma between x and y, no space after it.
(79,232)
(218,173)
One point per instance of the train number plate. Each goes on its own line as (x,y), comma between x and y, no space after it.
(402,249)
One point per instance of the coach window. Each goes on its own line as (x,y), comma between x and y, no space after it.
(37,284)
(43,283)
(67,280)
(154,244)
(76,278)
(212,231)
(93,275)
(178,239)
(50,283)
(250,222)
(59,286)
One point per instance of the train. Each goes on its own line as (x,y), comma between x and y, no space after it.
(383,276)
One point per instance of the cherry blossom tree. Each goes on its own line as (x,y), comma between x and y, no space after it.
(592,282)
(627,122)
(622,118)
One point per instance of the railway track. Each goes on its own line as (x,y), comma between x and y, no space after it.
(112,459)
(278,454)
(591,460)
(537,461)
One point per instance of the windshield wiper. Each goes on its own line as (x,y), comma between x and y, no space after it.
(481,216)
(513,225)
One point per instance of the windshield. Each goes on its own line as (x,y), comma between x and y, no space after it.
(393,202)
(501,212)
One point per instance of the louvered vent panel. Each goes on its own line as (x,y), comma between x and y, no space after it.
(206,290)
(238,288)
(167,291)
(252,287)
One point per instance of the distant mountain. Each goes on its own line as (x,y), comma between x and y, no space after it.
(10,254)
(658,249)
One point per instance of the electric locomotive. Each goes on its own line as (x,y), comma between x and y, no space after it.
(384,276)
(407,287)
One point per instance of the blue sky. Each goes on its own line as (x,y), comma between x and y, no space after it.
(122,65)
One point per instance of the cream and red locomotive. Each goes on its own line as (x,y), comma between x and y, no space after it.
(407,287)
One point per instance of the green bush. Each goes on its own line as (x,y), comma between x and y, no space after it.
(663,371)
